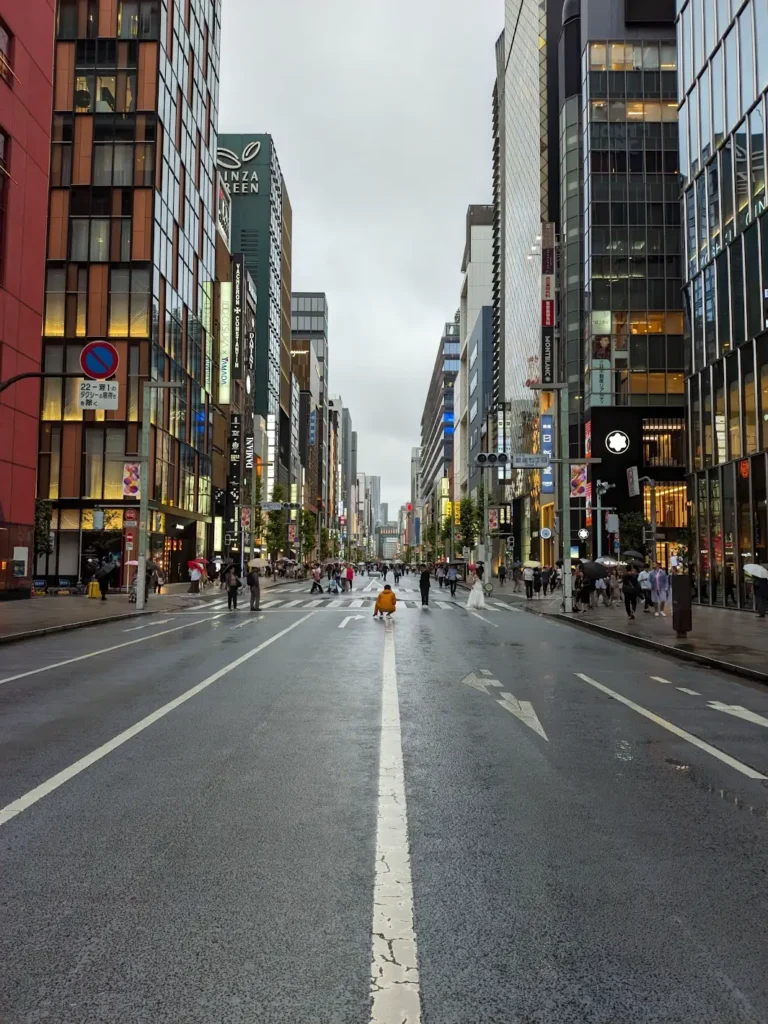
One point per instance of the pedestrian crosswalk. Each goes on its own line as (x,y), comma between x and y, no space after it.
(327,602)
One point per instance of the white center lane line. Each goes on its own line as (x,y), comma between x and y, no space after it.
(660,679)
(28,799)
(495,626)
(751,773)
(684,689)
(395,992)
(106,650)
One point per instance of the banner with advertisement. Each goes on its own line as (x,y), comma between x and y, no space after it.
(132,480)
(588,516)
(579,481)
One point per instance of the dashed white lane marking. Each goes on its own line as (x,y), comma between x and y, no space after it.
(495,626)
(32,797)
(292,604)
(395,992)
(751,773)
(106,650)
(684,689)
(505,606)
(659,679)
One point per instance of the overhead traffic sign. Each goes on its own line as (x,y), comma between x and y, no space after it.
(98,394)
(99,360)
(271,506)
(530,461)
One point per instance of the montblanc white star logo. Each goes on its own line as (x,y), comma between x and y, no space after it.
(617,442)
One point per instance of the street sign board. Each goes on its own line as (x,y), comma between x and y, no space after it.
(545,533)
(271,506)
(633,481)
(99,360)
(530,461)
(583,534)
(98,394)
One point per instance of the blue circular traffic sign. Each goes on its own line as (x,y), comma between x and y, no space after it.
(99,360)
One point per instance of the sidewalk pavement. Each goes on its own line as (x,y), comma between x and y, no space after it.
(735,642)
(39,616)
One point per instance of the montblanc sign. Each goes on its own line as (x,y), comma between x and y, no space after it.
(240,179)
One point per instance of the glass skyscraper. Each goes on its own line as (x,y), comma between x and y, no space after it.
(723,58)
(130,258)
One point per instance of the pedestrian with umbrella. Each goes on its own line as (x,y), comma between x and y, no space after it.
(759,576)
(630,588)
(252,579)
(502,574)
(195,572)
(102,575)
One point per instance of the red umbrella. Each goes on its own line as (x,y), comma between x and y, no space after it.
(194,564)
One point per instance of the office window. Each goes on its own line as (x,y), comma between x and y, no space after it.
(55,291)
(734,414)
(746,54)
(6,45)
(716,83)
(138,19)
(761,34)
(731,80)
(757,156)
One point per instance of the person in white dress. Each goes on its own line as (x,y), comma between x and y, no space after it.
(476,599)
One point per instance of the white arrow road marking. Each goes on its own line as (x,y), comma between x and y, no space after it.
(751,773)
(523,709)
(739,712)
(371,585)
(349,618)
(480,684)
(485,672)
(684,689)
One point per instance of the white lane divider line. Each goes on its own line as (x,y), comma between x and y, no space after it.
(739,712)
(249,621)
(751,773)
(684,689)
(106,650)
(505,606)
(147,625)
(495,626)
(395,992)
(28,799)
(659,679)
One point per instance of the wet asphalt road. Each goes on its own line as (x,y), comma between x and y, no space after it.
(571,858)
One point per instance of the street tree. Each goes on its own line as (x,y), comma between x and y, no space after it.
(468,522)
(42,541)
(276,531)
(308,533)
(325,544)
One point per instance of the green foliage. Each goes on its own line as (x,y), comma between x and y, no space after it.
(325,544)
(276,533)
(429,537)
(631,526)
(469,522)
(258,518)
(408,556)
(42,542)
(445,533)
(308,528)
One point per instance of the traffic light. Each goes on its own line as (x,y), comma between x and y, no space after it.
(491,459)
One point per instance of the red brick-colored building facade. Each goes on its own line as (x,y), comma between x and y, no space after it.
(26,91)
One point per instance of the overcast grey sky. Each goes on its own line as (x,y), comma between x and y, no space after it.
(381,115)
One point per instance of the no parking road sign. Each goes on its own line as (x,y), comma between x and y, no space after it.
(99,360)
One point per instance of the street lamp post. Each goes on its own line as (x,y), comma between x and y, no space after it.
(141,573)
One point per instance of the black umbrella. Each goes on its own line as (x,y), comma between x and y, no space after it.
(633,554)
(594,570)
(104,570)
(516,565)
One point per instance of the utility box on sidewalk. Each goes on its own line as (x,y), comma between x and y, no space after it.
(682,615)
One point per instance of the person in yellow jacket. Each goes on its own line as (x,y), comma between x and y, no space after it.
(385,602)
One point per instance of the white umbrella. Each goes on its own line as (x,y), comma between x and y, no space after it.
(607,561)
(756,570)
